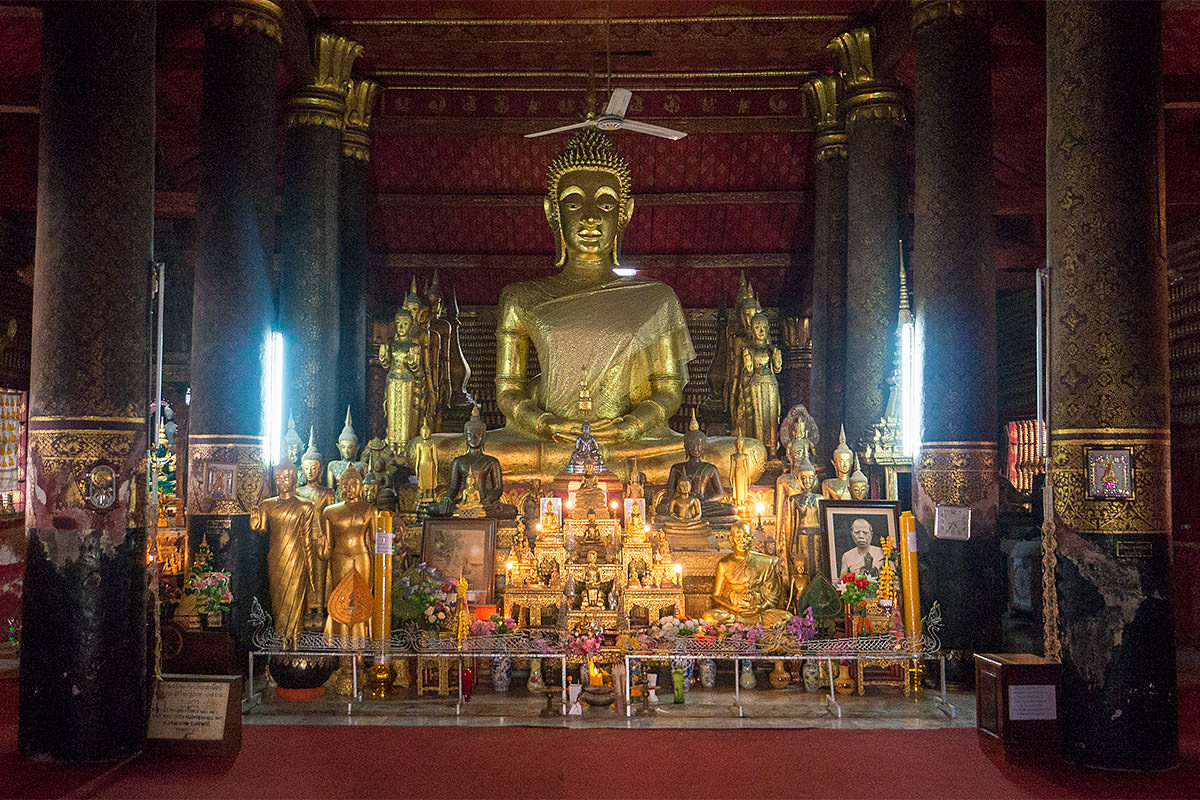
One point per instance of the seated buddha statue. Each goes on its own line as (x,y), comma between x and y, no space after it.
(704,479)
(684,523)
(591,540)
(589,497)
(486,477)
(587,451)
(626,336)
(747,587)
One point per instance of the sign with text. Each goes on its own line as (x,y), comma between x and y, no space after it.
(196,715)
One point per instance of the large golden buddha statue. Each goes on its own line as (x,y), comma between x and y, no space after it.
(626,337)
(747,587)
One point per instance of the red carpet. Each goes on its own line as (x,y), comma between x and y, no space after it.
(375,761)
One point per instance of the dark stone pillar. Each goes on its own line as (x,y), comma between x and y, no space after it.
(352,261)
(826,399)
(232,306)
(84,608)
(1109,383)
(308,290)
(954,299)
(876,200)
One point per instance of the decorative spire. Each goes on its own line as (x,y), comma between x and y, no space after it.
(348,433)
(693,425)
(585,397)
(312,453)
(842,449)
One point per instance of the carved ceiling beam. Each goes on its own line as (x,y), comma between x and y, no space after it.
(395,200)
(792,123)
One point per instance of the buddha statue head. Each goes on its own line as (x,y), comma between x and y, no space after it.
(747,311)
(312,461)
(760,329)
(683,488)
(739,444)
(404,323)
(843,456)
(859,485)
(348,439)
(351,485)
(434,297)
(285,478)
(292,443)
(412,300)
(425,432)
(741,537)
(806,473)
(370,487)
(588,201)
(475,431)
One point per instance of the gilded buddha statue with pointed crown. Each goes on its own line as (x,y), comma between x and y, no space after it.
(625,335)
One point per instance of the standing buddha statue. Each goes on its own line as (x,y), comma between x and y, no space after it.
(312,464)
(761,362)
(838,487)
(347,448)
(288,522)
(787,485)
(347,539)
(626,335)
(422,454)
(407,383)
(802,545)
(739,474)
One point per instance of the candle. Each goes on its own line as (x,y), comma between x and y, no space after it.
(908,574)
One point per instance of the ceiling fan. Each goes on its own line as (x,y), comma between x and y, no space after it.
(613,119)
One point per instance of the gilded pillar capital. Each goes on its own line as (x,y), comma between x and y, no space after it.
(823,94)
(323,102)
(927,11)
(247,16)
(868,96)
(360,105)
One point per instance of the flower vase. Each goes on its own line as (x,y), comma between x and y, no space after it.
(812,675)
(501,673)
(535,684)
(708,673)
(689,667)
(864,625)
(843,683)
(677,684)
(211,620)
(747,679)
(779,677)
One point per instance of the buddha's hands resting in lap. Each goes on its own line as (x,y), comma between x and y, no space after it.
(605,431)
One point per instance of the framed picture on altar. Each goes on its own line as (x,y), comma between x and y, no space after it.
(630,504)
(465,547)
(854,530)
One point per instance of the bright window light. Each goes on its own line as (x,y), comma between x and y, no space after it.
(624,271)
(910,389)
(273,397)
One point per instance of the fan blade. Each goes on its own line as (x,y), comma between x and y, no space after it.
(587,123)
(653,130)
(618,102)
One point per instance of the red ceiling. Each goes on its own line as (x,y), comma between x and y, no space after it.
(464,79)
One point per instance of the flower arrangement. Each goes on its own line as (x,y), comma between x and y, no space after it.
(736,631)
(423,596)
(672,627)
(495,625)
(585,642)
(211,588)
(801,627)
(856,587)
(635,642)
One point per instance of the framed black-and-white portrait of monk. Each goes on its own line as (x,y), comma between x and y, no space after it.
(855,529)
(463,547)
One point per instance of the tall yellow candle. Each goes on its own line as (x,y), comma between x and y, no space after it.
(381,618)
(908,573)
